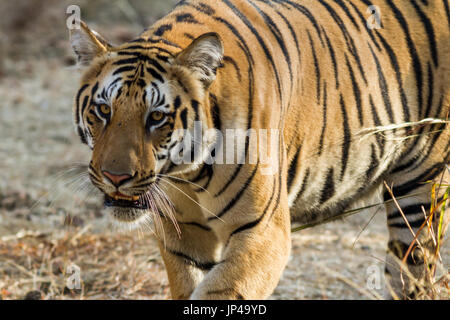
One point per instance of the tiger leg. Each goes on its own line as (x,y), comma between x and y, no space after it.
(411,194)
(254,257)
(187,256)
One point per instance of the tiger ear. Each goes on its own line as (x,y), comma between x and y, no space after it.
(87,44)
(203,56)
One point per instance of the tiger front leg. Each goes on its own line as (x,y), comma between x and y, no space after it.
(254,256)
(187,256)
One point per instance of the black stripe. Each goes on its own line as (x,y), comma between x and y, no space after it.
(183,118)
(402,225)
(86,99)
(374,163)
(195,105)
(237,197)
(139,40)
(177,102)
(205,266)
(257,221)
(228,59)
(156,64)
(438,130)
(155,74)
(356,92)
(423,114)
(277,34)
(94,89)
(113,83)
(412,50)
(215,112)
(124,69)
(126,61)
(341,4)
(206,172)
(364,23)
(161,101)
(195,224)
(186,18)
(247,226)
(430,32)
(304,11)
(399,249)
(189,36)
(377,122)
(81,135)
(447,11)
(383,87)
(230,181)
(261,42)
(144,97)
(411,185)
(206,9)
(291,29)
(162,29)
(333,60)
(133,47)
(328,190)
(182,86)
(316,67)
(324,121)
(346,137)
(304,182)
(292,172)
(348,39)
(161,57)
(408,210)
(88,120)
(430,92)
(228,292)
(398,76)
(77,113)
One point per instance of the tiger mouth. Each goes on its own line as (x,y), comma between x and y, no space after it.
(122,201)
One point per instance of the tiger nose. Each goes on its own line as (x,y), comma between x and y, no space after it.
(116,179)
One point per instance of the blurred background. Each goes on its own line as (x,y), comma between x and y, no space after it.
(51,218)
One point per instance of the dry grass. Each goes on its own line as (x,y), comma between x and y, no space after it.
(36,266)
(434,285)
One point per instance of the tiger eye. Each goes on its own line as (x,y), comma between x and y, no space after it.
(105,109)
(157,116)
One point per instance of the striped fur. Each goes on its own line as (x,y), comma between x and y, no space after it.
(311,69)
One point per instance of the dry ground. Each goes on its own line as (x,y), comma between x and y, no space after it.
(48,221)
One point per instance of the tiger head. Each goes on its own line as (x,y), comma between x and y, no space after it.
(134,102)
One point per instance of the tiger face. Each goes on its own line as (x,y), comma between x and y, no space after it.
(133,109)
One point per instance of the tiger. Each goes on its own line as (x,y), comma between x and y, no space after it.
(356,94)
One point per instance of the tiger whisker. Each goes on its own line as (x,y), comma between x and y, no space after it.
(193,200)
(184,180)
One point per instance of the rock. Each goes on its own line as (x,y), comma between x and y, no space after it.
(33,295)
(73,221)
